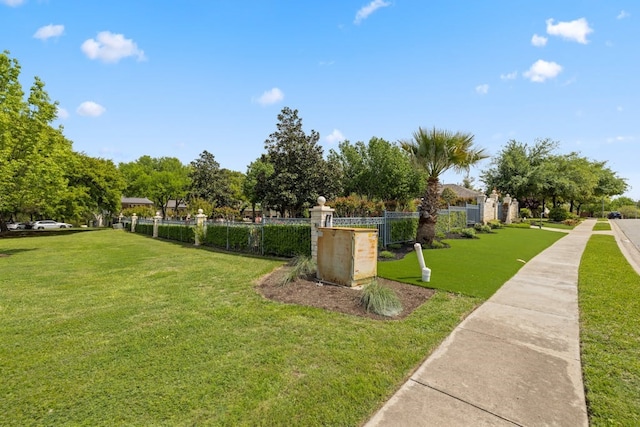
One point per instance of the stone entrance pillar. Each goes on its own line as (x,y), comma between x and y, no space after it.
(321,216)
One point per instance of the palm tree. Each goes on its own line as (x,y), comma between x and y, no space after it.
(436,151)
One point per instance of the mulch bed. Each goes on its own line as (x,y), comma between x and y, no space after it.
(338,298)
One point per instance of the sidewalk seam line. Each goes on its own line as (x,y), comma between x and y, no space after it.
(467,403)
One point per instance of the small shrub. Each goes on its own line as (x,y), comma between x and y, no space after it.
(558,214)
(518,225)
(440,235)
(437,244)
(481,228)
(394,246)
(468,233)
(386,255)
(525,213)
(380,300)
(495,224)
(302,266)
(571,222)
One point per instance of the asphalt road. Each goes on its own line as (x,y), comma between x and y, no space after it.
(631,228)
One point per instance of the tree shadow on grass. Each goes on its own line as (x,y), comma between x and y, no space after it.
(8,252)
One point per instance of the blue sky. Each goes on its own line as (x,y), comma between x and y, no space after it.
(174,78)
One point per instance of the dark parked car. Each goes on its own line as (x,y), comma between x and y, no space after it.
(614,215)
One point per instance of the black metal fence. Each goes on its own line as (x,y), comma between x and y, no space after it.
(287,237)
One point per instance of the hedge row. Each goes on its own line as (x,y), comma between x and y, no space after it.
(277,240)
(287,240)
(181,233)
(453,220)
(404,230)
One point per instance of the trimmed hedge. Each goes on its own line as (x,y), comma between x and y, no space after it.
(404,230)
(181,233)
(451,221)
(287,240)
(144,229)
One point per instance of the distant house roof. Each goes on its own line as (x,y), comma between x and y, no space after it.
(138,201)
(171,204)
(462,192)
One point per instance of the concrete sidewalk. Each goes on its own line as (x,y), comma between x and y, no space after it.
(513,361)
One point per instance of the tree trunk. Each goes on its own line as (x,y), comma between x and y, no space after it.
(428,214)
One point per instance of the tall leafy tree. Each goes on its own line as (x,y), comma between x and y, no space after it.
(519,169)
(32,151)
(255,185)
(300,173)
(208,181)
(95,188)
(378,170)
(535,174)
(159,179)
(436,151)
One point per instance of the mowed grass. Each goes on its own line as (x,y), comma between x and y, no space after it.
(601,226)
(110,328)
(474,267)
(610,333)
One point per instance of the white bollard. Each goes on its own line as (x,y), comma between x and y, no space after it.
(426,272)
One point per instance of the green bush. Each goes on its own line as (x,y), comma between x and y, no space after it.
(404,230)
(558,214)
(180,233)
(437,244)
(386,255)
(144,229)
(380,300)
(495,224)
(481,228)
(287,240)
(518,225)
(525,213)
(394,246)
(453,220)
(468,233)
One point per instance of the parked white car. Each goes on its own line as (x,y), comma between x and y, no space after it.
(13,226)
(49,223)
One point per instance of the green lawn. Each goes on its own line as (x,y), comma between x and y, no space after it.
(610,333)
(474,267)
(112,328)
(602,226)
(549,224)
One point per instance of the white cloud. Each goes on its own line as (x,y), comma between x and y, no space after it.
(109,47)
(63,113)
(509,76)
(538,41)
(367,10)
(619,108)
(482,89)
(542,70)
(90,109)
(49,31)
(12,3)
(623,15)
(270,97)
(335,136)
(576,30)
(615,139)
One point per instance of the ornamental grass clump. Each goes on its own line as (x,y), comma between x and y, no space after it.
(302,266)
(380,300)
